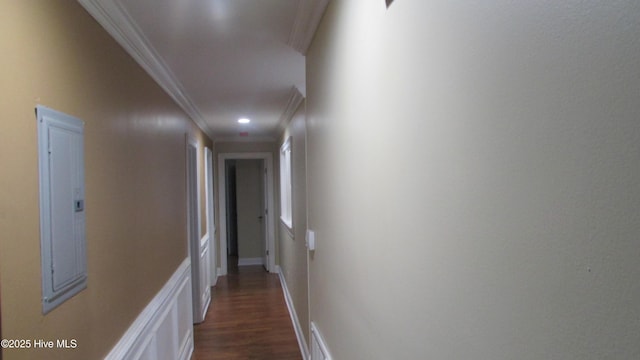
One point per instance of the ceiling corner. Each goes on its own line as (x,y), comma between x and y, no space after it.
(306,23)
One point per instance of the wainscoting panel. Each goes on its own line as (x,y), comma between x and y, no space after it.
(164,329)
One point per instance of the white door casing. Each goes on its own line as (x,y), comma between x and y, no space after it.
(267,157)
(198,249)
(211,226)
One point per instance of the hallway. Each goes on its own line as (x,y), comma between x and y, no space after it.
(247,319)
(444,179)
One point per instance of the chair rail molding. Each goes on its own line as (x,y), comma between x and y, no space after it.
(164,329)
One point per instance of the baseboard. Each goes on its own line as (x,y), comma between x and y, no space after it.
(164,329)
(319,349)
(250,261)
(302,342)
(206,308)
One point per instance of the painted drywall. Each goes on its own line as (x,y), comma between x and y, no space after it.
(245,147)
(250,199)
(55,54)
(292,248)
(474,179)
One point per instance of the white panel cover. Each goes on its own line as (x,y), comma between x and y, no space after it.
(62,206)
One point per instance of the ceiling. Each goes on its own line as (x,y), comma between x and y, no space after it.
(220,60)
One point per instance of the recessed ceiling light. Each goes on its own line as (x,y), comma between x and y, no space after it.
(244,121)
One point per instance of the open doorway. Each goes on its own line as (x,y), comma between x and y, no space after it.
(232,214)
(246,213)
(247,226)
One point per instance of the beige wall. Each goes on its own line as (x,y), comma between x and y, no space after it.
(244,147)
(55,54)
(474,179)
(292,248)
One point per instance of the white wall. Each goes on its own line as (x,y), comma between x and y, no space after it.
(474,179)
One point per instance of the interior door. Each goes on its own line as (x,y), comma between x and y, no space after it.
(193,233)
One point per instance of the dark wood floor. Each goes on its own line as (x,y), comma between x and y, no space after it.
(247,319)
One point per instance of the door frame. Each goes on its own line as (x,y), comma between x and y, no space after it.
(270,235)
(210,211)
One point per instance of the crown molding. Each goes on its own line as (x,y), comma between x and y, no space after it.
(306,23)
(119,24)
(294,101)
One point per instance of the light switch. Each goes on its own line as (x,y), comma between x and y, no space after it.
(311,240)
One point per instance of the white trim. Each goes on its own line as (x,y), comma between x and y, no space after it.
(302,342)
(120,25)
(210,212)
(205,308)
(222,210)
(140,338)
(286,227)
(293,103)
(317,338)
(250,261)
(194,240)
(204,239)
(192,141)
(306,23)
(286,185)
(204,243)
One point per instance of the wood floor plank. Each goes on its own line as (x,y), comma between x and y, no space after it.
(247,319)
